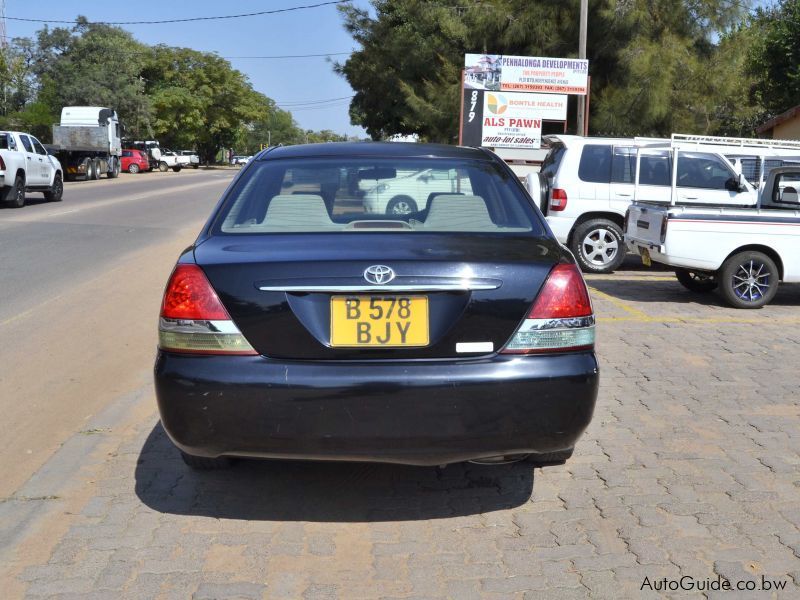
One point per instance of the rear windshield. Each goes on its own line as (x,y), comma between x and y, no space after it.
(368,194)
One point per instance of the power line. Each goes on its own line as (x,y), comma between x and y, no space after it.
(311,102)
(186,20)
(292,55)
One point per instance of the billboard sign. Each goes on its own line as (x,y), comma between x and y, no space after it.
(509,120)
(498,73)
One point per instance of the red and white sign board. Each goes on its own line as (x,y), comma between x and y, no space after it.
(511,120)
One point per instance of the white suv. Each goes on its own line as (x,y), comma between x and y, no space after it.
(590,184)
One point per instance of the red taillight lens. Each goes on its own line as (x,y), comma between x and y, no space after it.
(558,199)
(561,319)
(563,295)
(193,319)
(190,296)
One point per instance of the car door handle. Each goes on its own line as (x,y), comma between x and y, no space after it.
(689,197)
(624,195)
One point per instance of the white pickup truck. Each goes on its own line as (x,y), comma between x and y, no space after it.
(25,166)
(745,252)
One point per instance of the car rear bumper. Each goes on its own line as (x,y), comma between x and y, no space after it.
(412,412)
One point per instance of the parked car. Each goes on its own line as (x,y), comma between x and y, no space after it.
(193,158)
(171,160)
(411,193)
(134,161)
(745,252)
(240,160)
(298,325)
(588,184)
(25,166)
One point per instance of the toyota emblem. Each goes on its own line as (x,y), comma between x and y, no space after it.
(379,274)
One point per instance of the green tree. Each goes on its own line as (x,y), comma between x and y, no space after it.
(199,100)
(94,65)
(775,56)
(649,59)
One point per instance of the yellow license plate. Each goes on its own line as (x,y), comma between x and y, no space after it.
(646,257)
(379,321)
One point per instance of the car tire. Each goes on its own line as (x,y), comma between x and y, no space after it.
(133,168)
(748,279)
(696,281)
(598,246)
(203,463)
(56,191)
(162,166)
(401,205)
(177,168)
(195,166)
(15,196)
(550,459)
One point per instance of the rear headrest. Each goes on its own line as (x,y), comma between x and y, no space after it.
(453,212)
(789,194)
(297,211)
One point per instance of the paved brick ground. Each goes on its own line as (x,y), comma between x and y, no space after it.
(691,467)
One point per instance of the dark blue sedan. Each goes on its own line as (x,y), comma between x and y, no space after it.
(383,302)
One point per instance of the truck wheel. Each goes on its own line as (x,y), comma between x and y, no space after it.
(748,279)
(90,170)
(98,169)
(195,166)
(177,168)
(56,190)
(113,173)
(162,166)
(15,195)
(696,281)
(597,245)
(133,168)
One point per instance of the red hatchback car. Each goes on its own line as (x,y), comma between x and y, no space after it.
(134,161)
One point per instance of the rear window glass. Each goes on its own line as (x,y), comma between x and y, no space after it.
(553,160)
(595,166)
(397,195)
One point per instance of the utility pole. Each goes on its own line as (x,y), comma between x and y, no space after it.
(582,55)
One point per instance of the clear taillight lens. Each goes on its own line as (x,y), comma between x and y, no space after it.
(193,320)
(561,320)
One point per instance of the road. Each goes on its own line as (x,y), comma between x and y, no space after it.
(79,294)
(688,473)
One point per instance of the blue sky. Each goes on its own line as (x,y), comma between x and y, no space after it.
(312,31)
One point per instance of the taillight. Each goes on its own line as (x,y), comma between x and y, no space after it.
(561,320)
(194,320)
(558,199)
(664,228)
(2,164)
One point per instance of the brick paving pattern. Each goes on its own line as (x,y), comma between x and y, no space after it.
(691,467)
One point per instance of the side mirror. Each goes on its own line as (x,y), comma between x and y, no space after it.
(736,184)
(741,185)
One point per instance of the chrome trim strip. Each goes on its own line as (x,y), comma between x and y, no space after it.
(552,324)
(465,286)
(187,326)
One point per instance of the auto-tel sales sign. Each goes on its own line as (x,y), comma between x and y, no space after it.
(514,120)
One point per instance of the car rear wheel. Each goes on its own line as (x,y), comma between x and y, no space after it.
(748,279)
(15,196)
(56,190)
(133,168)
(203,463)
(401,205)
(597,245)
(162,166)
(177,168)
(696,281)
